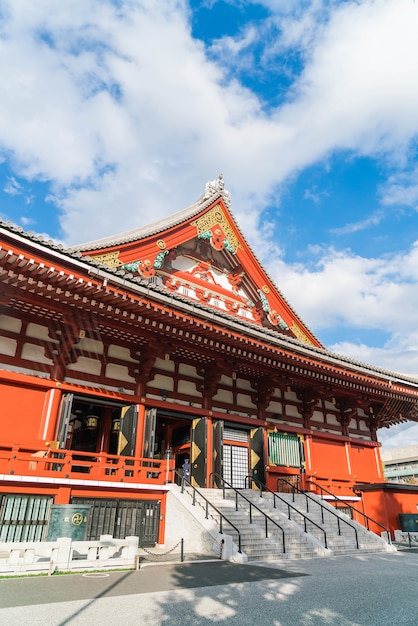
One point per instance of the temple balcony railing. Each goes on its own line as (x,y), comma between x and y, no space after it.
(74,464)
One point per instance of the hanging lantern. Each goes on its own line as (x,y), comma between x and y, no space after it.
(116,425)
(91,422)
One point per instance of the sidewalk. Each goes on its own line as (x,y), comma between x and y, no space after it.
(367,590)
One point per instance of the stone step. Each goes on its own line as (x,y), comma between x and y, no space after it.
(299,544)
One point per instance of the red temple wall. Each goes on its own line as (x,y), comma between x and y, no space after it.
(384,505)
(21,410)
(329,460)
(365,464)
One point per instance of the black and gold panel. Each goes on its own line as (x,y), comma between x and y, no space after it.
(258,466)
(217,452)
(128,424)
(198,452)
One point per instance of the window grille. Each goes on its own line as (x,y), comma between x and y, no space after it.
(284,449)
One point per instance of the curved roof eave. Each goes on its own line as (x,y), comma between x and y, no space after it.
(141,232)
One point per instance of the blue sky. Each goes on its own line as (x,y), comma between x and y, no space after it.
(117,112)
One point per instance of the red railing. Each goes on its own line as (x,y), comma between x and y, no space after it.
(23,461)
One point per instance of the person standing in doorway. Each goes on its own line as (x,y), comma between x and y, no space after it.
(186,470)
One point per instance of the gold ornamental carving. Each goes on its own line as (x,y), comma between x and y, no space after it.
(110,259)
(298,332)
(215,217)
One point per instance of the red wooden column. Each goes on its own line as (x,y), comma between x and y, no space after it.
(49,418)
(105,426)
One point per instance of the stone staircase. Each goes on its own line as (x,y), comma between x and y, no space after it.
(342,533)
(296,542)
(254,543)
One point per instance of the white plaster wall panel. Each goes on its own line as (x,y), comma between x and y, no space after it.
(8,346)
(86,365)
(35,353)
(363,426)
(119,352)
(244,400)
(90,345)
(243,384)
(225,380)
(37,331)
(119,372)
(317,416)
(352,425)
(224,395)
(329,405)
(187,370)
(332,419)
(183,263)
(291,396)
(162,382)
(292,410)
(275,407)
(165,365)
(188,388)
(10,323)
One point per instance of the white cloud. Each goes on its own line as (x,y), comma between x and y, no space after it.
(126,116)
(399,436)
(342,288)
(118,106)
(401,189)
(12,186)
(354,227)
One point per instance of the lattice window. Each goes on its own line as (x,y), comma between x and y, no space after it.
(284,449)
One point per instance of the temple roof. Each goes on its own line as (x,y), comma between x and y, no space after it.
(38,267)
(200,251)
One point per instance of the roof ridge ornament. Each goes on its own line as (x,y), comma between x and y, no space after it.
(216,187)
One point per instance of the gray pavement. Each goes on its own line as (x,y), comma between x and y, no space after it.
(365,590)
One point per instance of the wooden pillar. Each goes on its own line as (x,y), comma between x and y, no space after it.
(105,426)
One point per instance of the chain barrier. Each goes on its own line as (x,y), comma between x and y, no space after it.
(162,553)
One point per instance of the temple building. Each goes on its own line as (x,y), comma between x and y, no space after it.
(122,357)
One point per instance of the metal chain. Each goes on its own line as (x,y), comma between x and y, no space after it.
(161,553)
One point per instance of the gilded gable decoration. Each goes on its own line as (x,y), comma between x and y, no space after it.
(146,268)
(272,315)
(110,259)
(298,332)
(215,227)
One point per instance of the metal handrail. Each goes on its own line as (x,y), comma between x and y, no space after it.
(327,509)
(352,508)
(263,487)
(267,518)
(209,504)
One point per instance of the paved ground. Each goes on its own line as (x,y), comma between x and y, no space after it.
(366,590)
